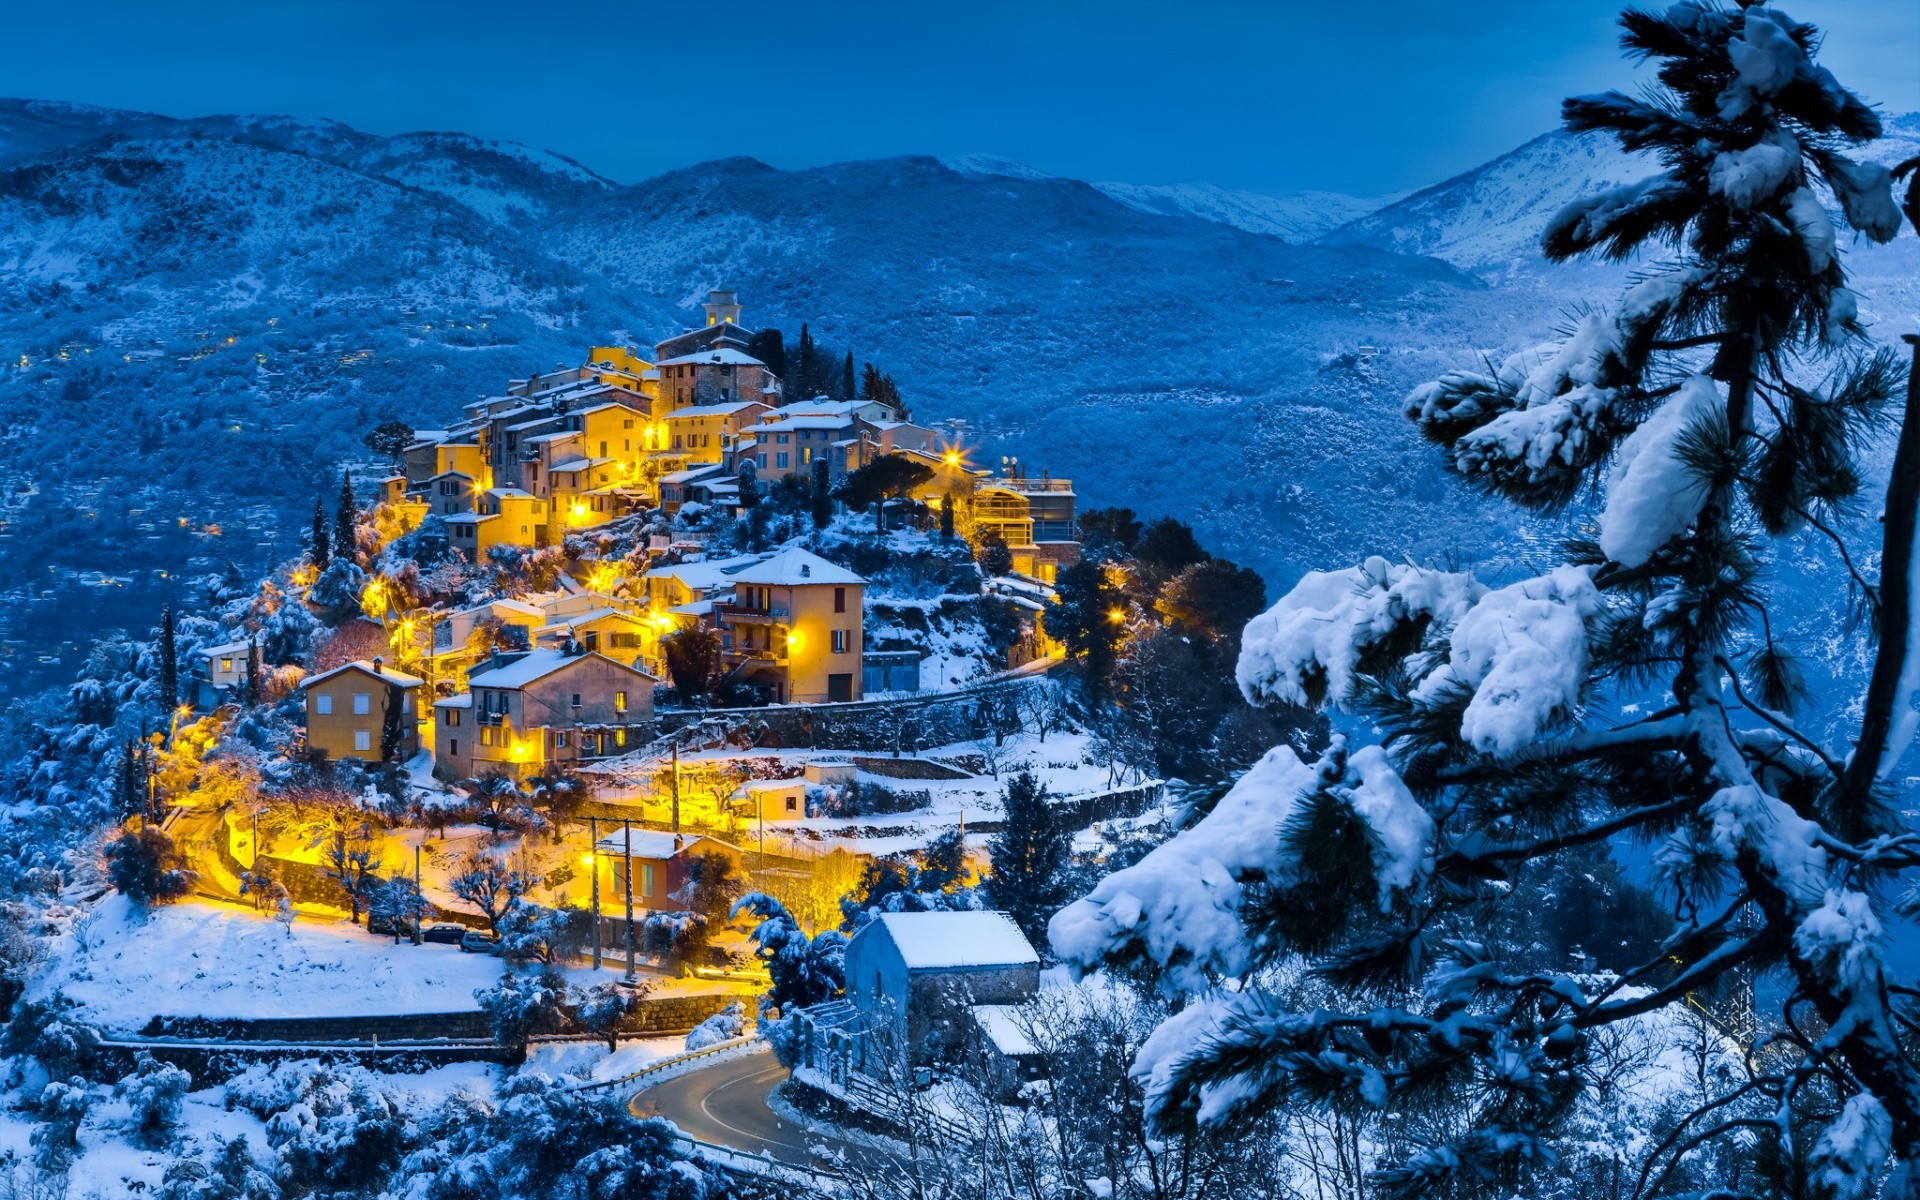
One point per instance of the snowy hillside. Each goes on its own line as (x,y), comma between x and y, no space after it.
(1300,217)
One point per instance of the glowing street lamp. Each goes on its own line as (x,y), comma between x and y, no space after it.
(1117,615)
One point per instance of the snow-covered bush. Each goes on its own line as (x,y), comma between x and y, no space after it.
(723,1026)
(340,1132)
(231,1174)
(62,1109)
(153,1094)
(522,1004)
(542,1138)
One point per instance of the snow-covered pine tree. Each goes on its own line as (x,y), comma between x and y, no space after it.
(1029,856)
(1640,689)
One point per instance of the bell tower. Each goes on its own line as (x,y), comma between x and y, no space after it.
(722,308)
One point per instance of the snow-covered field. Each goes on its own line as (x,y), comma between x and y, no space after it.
(205,959)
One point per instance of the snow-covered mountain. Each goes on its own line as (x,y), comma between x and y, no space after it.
(1488,220)
(1298,217)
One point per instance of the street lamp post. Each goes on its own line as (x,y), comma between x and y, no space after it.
(626,848)
(593,868)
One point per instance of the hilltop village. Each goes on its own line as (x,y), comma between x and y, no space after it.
(655,702)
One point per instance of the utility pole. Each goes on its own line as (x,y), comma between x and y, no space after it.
(419,897)
(593,866)
(626,848)
(676,790)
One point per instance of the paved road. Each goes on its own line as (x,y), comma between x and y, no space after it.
(726,1104)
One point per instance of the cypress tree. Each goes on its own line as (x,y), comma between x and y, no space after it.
(1029,856)
(822,493)
(345,514)
(770,347)
(749,485)
(169,662)
(392,729)
(808,375)
(946,519)
(254,667)
(846,378)
(321,550)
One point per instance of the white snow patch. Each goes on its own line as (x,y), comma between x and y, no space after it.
(1320,628)
(1651,496)
(1523,652)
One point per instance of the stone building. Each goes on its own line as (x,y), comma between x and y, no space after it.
(914,978)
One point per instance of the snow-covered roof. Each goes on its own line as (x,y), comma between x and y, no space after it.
(535,423)
(557,624)
(724,409)
(1005,1028)
(224,648)
(793,567)
(361,664)
(944,941)
(691,473)
(469,518)
(529,666)
(724,355)
(653,843)
(782,424)
(463,700)
(511,493)
(610,404)
(579,464)
(825,408)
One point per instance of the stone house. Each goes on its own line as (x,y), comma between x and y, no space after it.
(914,978)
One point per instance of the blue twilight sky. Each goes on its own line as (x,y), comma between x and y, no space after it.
(1276,97)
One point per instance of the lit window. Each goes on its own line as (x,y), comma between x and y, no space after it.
(619,702)
(486,736)
(323,705)
(362,704)
(453,718)
(226,664)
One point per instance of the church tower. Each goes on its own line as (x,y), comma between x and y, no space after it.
(722,308)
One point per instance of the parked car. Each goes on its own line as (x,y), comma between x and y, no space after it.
(389,926)
(445,933)
(476,942)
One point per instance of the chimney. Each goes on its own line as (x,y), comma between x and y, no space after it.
(377,664)
(806,570)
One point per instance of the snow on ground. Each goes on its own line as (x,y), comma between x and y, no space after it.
(1063,762)
(590,1060)
(204,959)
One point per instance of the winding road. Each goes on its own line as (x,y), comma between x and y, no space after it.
(725,1104)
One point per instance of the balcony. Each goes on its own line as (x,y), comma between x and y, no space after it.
(729,611)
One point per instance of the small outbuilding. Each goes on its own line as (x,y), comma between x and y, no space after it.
(916,977)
